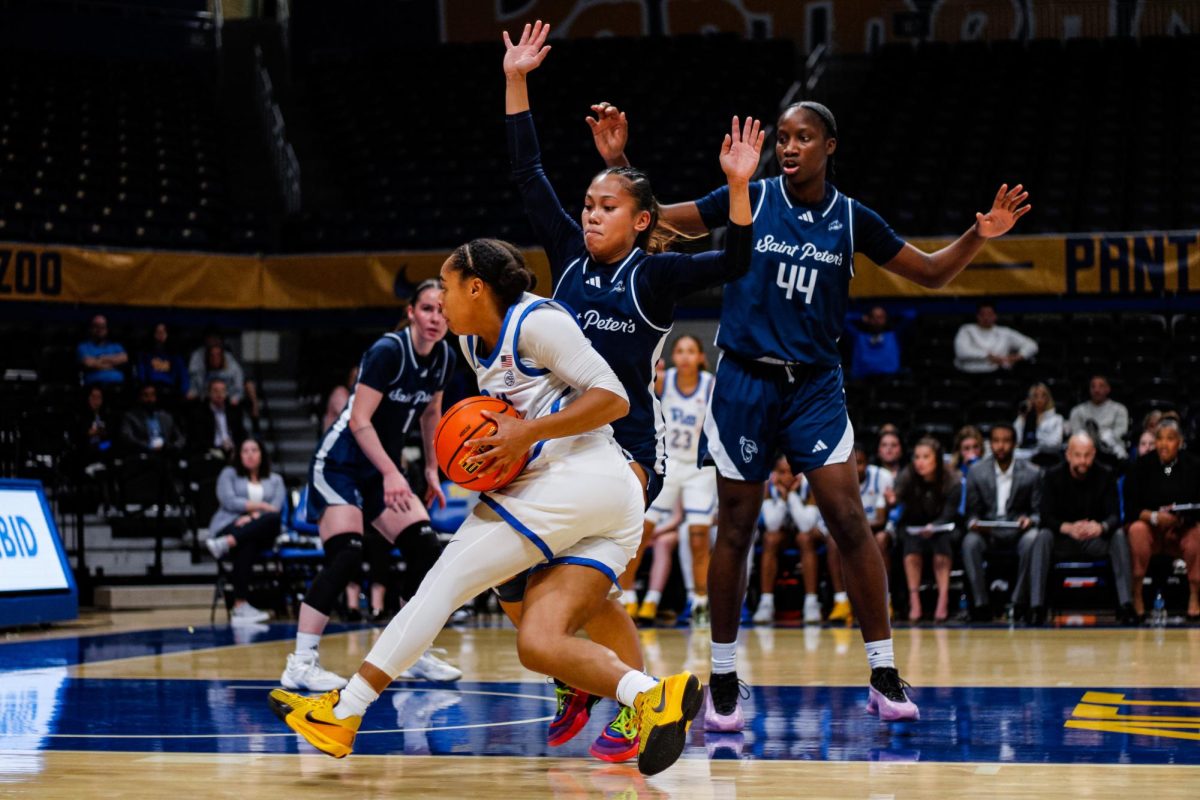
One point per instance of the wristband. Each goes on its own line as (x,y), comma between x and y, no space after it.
(1154,518)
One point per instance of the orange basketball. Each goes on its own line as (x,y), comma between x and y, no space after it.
(462,423)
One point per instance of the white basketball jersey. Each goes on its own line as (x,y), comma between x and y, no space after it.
(684,418)
(532,389)
(872,490)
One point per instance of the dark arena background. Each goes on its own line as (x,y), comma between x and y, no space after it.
(209,210)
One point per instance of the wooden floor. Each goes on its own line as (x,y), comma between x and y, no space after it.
(160,704)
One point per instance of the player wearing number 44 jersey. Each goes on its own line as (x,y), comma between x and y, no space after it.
(779,382)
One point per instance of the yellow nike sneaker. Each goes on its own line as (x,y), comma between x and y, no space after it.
(313,718)
(663,716)
(648,612)
(841,613)
(632,608)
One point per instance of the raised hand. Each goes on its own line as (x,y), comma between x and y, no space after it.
(741,150)
(610,131)
(526,55)
(1006,210)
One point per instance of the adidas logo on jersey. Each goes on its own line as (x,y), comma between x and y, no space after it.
(806,216)
(819,446)
(836,225)
(594,281)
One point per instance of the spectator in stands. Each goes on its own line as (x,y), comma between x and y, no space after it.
(218,426)
(1081,515)
(1105,419)
(94,430)
(889,450)
(1160,481)
(928,493)
(1004,498)
(1145,444)
(147,429)
(213,359)
(984,346)
(338,397)
(163,368)
(875,349)
(968,448)
(247,522)
(100,359)
(1039,427)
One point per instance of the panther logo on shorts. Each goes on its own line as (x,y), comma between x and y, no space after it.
(749,449)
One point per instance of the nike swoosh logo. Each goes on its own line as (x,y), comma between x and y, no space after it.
(308,716)
(662,702)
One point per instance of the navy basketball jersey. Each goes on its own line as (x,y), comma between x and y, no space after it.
(631,344)
(791,306)
(407,381)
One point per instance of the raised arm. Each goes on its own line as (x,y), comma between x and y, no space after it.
(935,270)
(610,131)
(557,232)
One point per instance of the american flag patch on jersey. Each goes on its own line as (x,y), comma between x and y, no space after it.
(506,361)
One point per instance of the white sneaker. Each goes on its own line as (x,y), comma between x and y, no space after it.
(765,614)
(246,614)
(812,611)
(431,668)
(304,672)
(218,546)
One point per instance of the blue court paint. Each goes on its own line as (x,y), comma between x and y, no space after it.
(49,710)
(67,652)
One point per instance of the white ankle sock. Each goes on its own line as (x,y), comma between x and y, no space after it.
(628,596)
(632,684)
(841,597)
(811,600)
(767,599)
(880,654)
(652,596)
(307,642)
(724,657)
(354,699)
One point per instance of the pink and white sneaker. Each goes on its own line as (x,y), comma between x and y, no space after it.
(722,703)
(886,698)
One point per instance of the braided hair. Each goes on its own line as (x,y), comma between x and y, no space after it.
(497,263)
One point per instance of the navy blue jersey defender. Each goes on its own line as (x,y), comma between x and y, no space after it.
(779,382)
(340,473)
(626,309)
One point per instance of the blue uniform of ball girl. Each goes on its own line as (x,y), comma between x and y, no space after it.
(779,385)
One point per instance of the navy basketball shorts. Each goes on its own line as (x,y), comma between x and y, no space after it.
(759,410)
(334,484)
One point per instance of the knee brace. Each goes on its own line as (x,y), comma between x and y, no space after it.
(420,546)
(343,563)
(512,591)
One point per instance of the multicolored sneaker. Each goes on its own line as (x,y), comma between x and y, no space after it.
(723,711)
(886,697)
(663,716)
(573,712)
(619,739)
(313,718)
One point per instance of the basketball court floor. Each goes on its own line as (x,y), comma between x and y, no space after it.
(161,704)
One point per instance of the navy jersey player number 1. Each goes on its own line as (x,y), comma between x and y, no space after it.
(779,383)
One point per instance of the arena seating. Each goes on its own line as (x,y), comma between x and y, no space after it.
(1098,130)
(108,152)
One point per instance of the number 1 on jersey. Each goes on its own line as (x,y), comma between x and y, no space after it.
(799,279)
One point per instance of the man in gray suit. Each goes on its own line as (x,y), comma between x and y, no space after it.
(1004,498)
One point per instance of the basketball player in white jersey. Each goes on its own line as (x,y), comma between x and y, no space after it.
(574,513)
(684,394)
